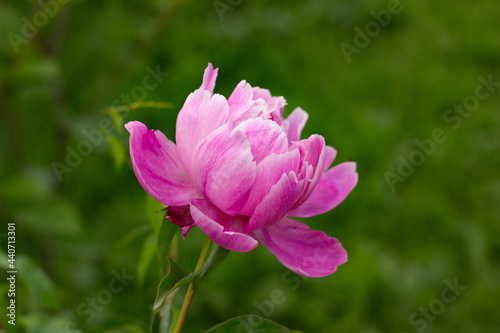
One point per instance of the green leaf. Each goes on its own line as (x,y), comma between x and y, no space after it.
(216,257)
(117,118)
(39,322)
(27,188)
(115,112)
(127,328)
(41,286)
(165,236)
(117,150)
(151,104)
(147,254)
(58,217)
(153,208)
(251,323)
(164,317)
(128,238)
(174,279)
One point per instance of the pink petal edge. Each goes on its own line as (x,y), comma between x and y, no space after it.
(224,170)
(209,78)
(332,188)
(307,252)
(158,167)
(226,231)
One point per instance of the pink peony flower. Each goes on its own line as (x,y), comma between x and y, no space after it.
(239,171)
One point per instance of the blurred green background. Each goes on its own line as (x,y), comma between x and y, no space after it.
(408,229)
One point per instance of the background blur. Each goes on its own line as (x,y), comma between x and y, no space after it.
(374,76)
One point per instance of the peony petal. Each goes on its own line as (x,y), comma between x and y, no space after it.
(314,148)
(240,99)
(158,167)
(181,216)
(294,124)
(275,105)
(330,154)
(332,188)
(304,251)
(223,169)
(227,231)
(201,114)
(256,109)
(209,78)
(269,172)
(277,203)
(265,137)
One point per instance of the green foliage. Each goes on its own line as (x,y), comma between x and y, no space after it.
(165,235)
(252,323)
(175,278)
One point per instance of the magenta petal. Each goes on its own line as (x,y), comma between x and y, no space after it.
(294,124)
(209,78)
(181,216)
(275,105)
(269,172)
(265,137)
(227,231)
(277,203)
(158,167)
(223,169)
(332,188)
(314,148)
(256,109)
(240,99)
(201,114)
(330,154)
(304,251)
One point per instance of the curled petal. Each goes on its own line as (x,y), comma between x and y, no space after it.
(256,109)
(240,99)
(223,169)
(330,154)
(268,172)
(201,114)
(314,149)
(158,167)
(181,216)
(304,251)
(227,231)
(294,124)
(332,188)
(209,78)
(265,137)
(277,203)
(275,105)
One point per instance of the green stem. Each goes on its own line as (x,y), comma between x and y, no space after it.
(192,287)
